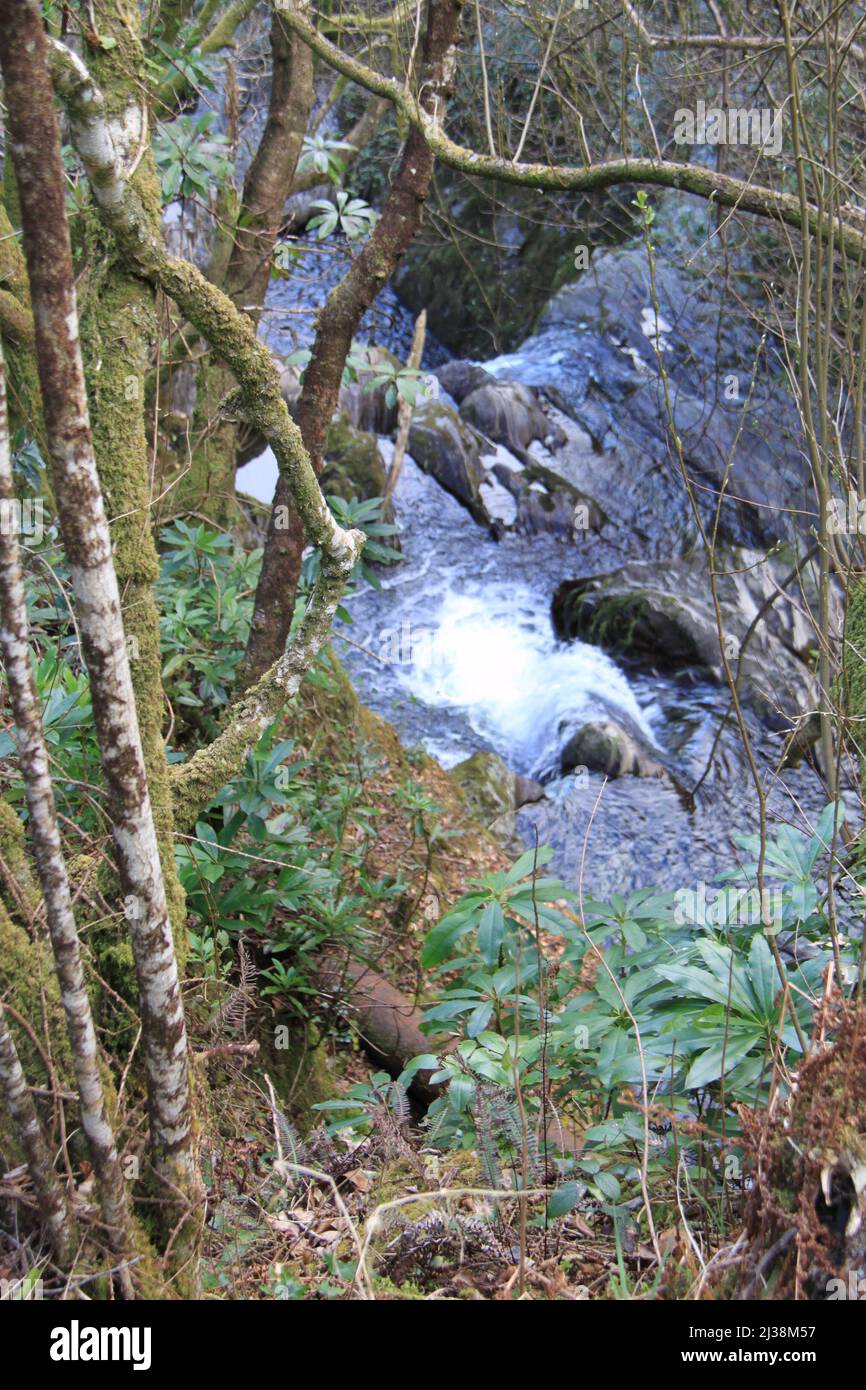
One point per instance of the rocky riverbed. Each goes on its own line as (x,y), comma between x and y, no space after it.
(552,611)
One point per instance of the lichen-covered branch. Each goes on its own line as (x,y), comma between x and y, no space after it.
(51,868)
(34,145)
(119,338)
(208,308)
(848,233)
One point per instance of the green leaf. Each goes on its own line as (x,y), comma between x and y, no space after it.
(442,938)
(765,976)
(460,1093)
(564,1199)
(479,1019)
(525,864)
(491,930)
(608,1186)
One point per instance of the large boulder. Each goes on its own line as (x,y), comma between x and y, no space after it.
(494,793)
(606,746)
(595,354)
(508,413)
(543,502)
(445,447)
(663,614)
(460,377)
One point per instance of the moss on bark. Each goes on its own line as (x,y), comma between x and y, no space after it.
(117,336)
(29,986)
(295,1059)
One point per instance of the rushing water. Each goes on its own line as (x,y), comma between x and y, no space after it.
(457,650)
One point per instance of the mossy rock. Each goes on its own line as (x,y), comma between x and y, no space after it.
(354,467)
(605,746)
(485,290)
(294,1057)
(443,445)
(487,784)
(491,788)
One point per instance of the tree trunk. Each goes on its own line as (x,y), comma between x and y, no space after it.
(53,1207)
(33,757)
(336,326)
(208,489)
(35,146)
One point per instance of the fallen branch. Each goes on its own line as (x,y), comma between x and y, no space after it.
(387,1023)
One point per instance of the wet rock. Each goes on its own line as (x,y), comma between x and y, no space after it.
(605,746)
(595,355)
(508,413)
(547,504)
(662,614)
(445,447)
(494,792)
(461,377)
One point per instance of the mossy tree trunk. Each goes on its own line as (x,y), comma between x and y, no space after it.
(119,332)
(34,141)
(56,892)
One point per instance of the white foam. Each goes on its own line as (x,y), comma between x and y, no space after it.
(492,653)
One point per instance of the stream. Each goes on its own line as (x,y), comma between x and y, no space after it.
(457,650)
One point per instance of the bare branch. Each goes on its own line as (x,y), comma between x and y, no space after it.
(727,191)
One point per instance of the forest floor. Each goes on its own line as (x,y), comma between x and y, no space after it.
(380,1212)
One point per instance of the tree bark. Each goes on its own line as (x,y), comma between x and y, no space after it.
(259,401)
(53,1206)
(208,489)
(53,878)
(847,233)
(34,141)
